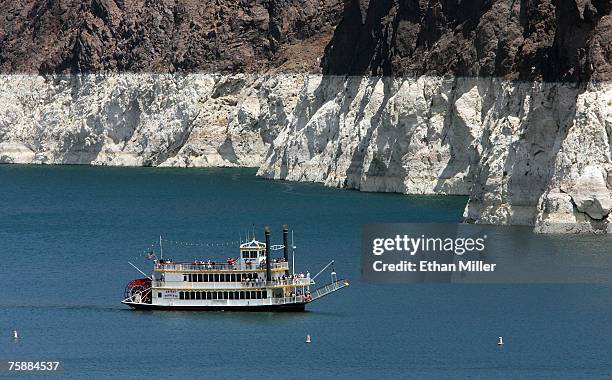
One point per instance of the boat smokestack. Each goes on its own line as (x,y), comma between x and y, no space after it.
(286,242)
(268,271)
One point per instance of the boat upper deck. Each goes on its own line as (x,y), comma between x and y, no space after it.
(170,266)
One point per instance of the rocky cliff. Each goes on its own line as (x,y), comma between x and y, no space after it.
(164,36)
(506,101)
(143,119)
(528,153)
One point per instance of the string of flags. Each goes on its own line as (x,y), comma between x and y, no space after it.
(200,244)
(190,244)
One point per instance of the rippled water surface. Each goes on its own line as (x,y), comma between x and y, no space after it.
(67,233)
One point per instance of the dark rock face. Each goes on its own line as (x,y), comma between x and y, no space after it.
(567,40)
(69,36)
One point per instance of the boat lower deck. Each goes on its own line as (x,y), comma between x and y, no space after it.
(293,307)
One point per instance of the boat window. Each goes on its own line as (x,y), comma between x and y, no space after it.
(253,295)
(159,295)
(265,294)
(250,254)
(216,277)
(225,295)
(198,295)
(184,277)
(222,276)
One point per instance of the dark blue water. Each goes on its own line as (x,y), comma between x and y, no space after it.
(66,234)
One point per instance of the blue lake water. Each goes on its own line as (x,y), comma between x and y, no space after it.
(67,233)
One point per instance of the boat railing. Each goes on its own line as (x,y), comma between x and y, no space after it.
(218,267)
(306,281)
(286,300)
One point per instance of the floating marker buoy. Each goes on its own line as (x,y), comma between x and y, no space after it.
(500,341)
(15,335)
(308,340)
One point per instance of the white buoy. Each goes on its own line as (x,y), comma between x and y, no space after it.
(308,340)
(500,341)
(15,335)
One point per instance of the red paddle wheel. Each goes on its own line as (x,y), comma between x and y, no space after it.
(142,287)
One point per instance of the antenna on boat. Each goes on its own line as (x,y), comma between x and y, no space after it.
(161,248)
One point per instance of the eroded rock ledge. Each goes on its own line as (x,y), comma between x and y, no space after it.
(194,120)
(527,153)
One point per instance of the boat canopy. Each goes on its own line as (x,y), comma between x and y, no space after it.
(253,245)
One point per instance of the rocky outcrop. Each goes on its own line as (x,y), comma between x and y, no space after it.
(190,36)
(549,40)
(505,101)
(527,153)
(143,119)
